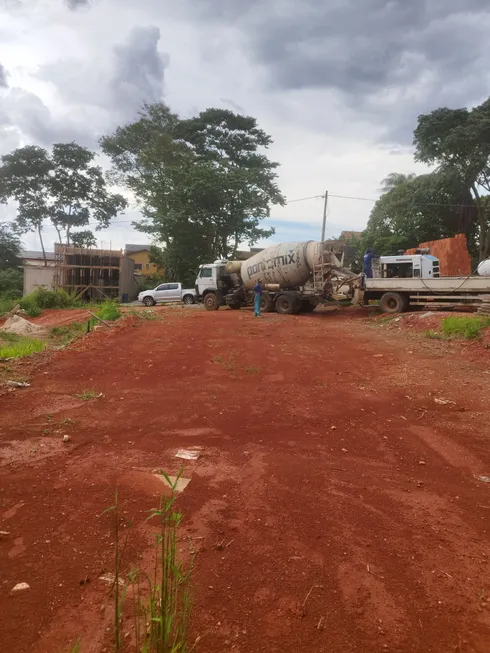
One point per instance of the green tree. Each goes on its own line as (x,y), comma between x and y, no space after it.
(458,141)
(11,277)
(63,187)
(396,179)
(9,248)
(203,184)
(424,208)
(84,238)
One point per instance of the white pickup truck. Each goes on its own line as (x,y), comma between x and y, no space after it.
(167,292)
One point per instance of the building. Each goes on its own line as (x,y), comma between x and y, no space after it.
(140,254)
(36,259)
(37,270)
(347,236)
(95,274)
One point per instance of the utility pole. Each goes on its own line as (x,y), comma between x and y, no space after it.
(324,215)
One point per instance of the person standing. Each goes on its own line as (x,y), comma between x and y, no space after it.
(367,262)
(257,297)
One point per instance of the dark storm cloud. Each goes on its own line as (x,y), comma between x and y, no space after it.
(365,49)
(139,71)
(76,4)
(3,77)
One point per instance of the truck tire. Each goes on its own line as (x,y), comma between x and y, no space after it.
(266,303)
(235,306)
(394,302)
(287,304)
(211,302)
(149,301)
(188,299)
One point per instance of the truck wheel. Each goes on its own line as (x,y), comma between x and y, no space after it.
(266,303)
(149,301)
(188,299)
(211,302)
(394,302)
(235,306)
(286,304)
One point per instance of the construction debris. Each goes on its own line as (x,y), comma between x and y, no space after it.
(21,327)
(20,587)
(189,454)
(18,384)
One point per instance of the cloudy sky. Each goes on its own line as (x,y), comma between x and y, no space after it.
(337,83)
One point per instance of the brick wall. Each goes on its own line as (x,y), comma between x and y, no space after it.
(452,253)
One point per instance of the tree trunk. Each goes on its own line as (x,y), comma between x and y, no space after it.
(42,246)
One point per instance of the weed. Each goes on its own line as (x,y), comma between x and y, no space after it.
(464,327)
(433,335)
(75,647)
(88,395)
(161,600)
(109,311)
(227,364)
(252,369)
(146,314)
(20,348)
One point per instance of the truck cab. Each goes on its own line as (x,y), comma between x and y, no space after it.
(209,283)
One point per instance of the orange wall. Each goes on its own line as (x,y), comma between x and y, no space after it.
(143,258)
(453,255)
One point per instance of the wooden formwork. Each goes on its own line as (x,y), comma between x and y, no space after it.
(88,273)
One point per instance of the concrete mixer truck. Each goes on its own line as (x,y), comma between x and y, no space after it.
(295,276)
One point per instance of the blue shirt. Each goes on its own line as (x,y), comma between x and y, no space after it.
(258,288)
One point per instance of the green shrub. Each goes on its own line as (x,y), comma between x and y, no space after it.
(464,327)
(11,283)
(109,311)
(6,305)
(23,347)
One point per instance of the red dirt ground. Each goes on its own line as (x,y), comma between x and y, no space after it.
(349,497)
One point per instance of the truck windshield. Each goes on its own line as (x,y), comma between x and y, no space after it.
(206,272)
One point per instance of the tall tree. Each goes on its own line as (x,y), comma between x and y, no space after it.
(24,178)
(458,140)
(396,179)
(204,184)
(84,238)
(427,207)
(63,187)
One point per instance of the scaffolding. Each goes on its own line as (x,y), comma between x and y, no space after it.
(89,273)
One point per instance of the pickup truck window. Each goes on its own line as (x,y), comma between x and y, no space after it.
(163,287)
(172,286)
(206,272)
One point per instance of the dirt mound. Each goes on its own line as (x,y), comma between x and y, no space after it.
(21,327)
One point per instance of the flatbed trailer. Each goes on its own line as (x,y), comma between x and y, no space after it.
(399,294)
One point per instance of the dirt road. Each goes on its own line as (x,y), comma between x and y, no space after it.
(348,497)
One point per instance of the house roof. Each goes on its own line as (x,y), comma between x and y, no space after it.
(131,249)
(33,254)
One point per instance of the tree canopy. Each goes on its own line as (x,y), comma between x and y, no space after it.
(420,209)
(204,184)
(458,142)
(63,186)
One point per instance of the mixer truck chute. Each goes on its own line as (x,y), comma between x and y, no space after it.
(295,276)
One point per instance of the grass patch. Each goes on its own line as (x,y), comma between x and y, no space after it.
(109,311)
(63,335)
(464,327)
(88,395)
(18,347)
(251,369)
(6,305)
(433,335)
